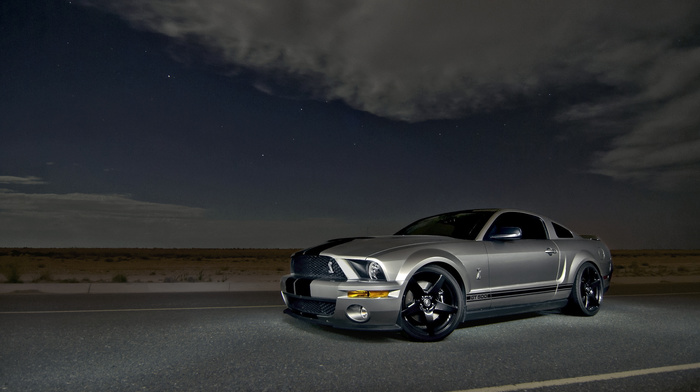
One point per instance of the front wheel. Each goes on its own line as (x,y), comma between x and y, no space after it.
(587,293)
(432,305)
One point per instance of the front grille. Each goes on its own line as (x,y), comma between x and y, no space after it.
(310,306)
(313,266)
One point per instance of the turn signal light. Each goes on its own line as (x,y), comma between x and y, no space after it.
(367,294)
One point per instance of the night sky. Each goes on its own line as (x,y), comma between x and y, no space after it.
(223,123)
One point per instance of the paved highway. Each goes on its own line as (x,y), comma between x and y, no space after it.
(242,341)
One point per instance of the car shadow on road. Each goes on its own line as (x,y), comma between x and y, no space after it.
(505,319)
(329,332)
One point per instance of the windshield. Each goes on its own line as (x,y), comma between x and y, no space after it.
(464,225)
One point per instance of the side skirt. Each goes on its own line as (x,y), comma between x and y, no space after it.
(509,310)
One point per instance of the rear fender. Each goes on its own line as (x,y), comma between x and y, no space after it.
(577,261)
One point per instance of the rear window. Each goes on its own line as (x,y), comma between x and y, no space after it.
(562,232)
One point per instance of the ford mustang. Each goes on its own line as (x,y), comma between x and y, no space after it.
(440,271)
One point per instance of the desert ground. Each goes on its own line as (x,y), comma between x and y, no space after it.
(76,265)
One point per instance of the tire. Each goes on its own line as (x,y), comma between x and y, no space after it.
(432,305)
(587,293)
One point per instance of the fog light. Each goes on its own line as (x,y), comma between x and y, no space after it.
(357,313)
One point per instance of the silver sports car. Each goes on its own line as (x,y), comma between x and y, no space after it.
(445,269)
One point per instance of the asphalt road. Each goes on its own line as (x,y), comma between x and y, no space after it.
(242,341)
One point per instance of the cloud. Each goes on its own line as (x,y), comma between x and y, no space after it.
(90,206)
(662,148)
(658,126)
(80,219)
(30,180)
(416,60)
(92,220)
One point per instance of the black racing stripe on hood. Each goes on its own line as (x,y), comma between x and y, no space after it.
(316,250)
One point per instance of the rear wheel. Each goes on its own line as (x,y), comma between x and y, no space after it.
(432,305)
(587,293)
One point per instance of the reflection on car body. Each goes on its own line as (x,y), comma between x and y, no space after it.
(445,269)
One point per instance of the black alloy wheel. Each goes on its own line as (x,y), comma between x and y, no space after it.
(432,305)
(587,293)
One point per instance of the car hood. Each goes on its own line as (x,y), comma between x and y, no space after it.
(369,246)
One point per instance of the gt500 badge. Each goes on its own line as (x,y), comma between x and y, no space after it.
(477,297)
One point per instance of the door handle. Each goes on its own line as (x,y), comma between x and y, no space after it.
(550,251)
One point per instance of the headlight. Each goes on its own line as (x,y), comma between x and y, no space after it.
(374,270)
(368,269)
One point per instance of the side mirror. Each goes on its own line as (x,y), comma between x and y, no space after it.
(507,233)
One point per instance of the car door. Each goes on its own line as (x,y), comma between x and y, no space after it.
(522,270)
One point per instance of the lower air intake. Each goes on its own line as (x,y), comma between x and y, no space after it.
(310,306)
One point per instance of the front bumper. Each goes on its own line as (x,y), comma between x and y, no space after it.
(327,302)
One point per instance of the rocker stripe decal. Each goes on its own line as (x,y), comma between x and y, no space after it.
(517,292)
(521,292)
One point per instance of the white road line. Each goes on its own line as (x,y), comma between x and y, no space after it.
(651,294)
(140,310)
(580,380)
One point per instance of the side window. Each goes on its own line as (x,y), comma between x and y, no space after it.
(562,232)
(532,226)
